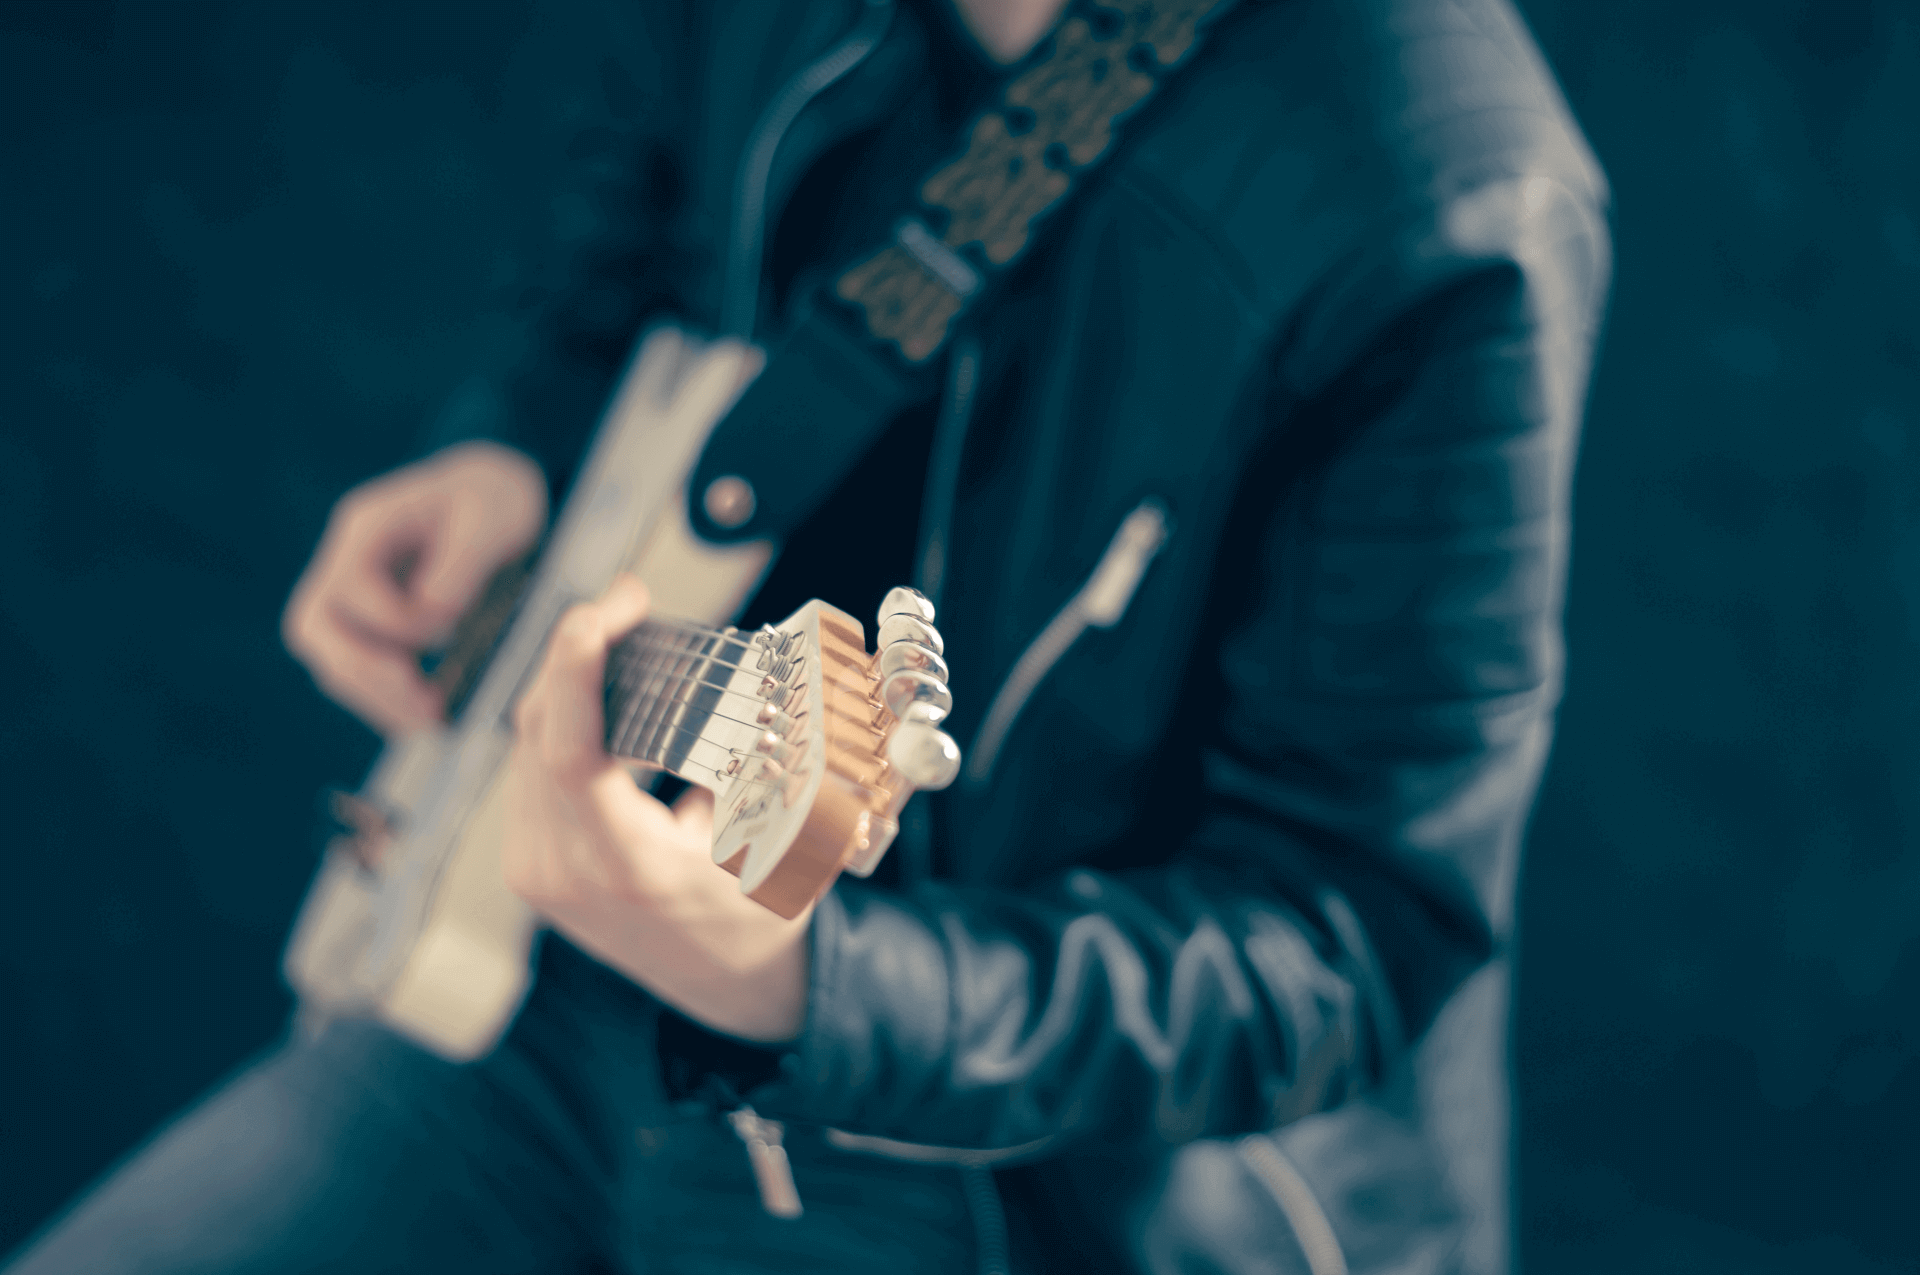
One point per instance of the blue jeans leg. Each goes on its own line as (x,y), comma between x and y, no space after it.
(557,1153)
(358,1152)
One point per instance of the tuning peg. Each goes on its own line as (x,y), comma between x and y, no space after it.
(907,628)
(912,689)
(880,832)
(779,749)
(911,655)
(905,601)
(924,755)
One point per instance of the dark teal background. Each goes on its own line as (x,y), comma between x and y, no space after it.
(250,254)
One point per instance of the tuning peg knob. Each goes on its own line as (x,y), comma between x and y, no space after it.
(911,655)
(912,689)
(924,755)
(907,628)
(880,832)
(905,601)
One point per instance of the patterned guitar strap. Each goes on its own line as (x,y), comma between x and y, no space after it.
(862,355)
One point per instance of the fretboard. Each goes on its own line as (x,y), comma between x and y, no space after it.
(676,698)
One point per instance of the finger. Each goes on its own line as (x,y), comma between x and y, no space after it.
(693,812)
(635,848)
(529,711)
(346,662)
(375,604)
(378,681)
(570,693)
(625,604)
(360,562)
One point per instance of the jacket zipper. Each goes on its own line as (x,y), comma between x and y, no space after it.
(742,294)
(1099,604)
(989,1218)
(767,1157)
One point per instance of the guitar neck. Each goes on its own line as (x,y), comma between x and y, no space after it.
(679,697)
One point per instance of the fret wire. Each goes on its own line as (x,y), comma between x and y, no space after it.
(640,672)
(663,685)
(656,646)
(651,674)
(687,679)
(667,708)
(649,665)
(650,682)
(714,712)
(636,705)
(655,688)
(669,622)
(718,773)
(649,685)
(627,682)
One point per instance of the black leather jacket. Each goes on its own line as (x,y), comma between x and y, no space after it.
(1213,961)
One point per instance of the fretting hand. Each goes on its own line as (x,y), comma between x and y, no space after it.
(402,559)
(624,876)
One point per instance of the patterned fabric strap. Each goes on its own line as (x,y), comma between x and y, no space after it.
(1054,122)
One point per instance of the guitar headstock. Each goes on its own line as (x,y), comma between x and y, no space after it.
(846,738)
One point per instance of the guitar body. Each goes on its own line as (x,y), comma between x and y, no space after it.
(412,922)
(810,745)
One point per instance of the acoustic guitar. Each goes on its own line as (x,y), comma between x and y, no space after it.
(810,744)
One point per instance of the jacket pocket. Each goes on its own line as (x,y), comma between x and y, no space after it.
(1099,604)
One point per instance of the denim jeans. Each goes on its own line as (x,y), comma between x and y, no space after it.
(356,1151)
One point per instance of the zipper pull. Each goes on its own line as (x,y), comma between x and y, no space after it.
(1104,597)
(768,1158)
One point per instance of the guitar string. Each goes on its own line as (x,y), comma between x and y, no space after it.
(663,697)
(672,622)
(698,739)
(641,672)
(642,682)
(629,690)
(717,772)
(685,679)
(641,697)
(691,654)
(671,684)
(738,721)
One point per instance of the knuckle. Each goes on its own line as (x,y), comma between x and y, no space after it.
(580,631)
(351,509)
(296,630)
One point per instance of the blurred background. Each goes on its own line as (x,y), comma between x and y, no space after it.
(250,255)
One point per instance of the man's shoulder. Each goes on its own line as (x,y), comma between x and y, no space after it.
(1306,125)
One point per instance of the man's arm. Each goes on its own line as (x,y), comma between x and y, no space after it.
(1383,712)
(1385,716)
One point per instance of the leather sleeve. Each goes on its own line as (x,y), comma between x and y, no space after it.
(1383,691)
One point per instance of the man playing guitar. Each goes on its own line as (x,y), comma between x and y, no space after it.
(1248,486)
